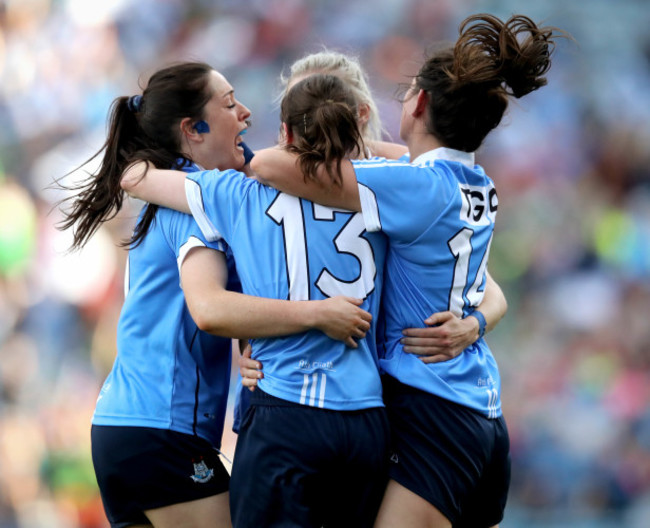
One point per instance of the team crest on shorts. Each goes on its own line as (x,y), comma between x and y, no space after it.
(202,473)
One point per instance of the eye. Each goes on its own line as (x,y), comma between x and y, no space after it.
(231,105)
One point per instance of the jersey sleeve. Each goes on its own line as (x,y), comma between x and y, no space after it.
(398,198)
(183,234)
(214,198)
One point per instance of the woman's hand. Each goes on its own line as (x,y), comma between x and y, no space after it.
(250,369)
(341,318)
(445,338)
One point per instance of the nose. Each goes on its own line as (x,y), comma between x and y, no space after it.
(244,112)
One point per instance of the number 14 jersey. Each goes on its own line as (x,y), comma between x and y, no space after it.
(438,214)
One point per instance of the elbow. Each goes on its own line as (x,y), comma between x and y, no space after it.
(205,324)
(254,171)
(209,320)
(132,176)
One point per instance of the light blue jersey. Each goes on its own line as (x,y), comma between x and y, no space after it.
(167,373)
(439,216)
(288,248)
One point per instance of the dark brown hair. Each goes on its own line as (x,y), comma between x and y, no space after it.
(321,114)
(140,128)
(469,84)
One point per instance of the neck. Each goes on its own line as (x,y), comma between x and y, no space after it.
(419,143)
(420,140)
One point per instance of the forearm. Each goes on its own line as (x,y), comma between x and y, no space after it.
(236,315)
(387,150)
(279,169)
(157,186)
(494,304)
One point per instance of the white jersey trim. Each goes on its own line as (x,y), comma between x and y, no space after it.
(195,201)
(447,154)
(369,208)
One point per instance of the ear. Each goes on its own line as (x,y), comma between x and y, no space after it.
(188,131)
(364,114)
(421,103)
(287,135)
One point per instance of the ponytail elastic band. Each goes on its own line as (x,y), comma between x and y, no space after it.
(134,103)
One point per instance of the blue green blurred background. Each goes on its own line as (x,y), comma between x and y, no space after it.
(571,250)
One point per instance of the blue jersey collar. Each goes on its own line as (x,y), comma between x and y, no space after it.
(444,153)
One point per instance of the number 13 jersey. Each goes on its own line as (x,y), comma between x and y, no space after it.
(288,248)
(438,214)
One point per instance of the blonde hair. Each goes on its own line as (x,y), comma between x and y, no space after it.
(349,70)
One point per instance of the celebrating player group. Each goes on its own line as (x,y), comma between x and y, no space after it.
(355,269)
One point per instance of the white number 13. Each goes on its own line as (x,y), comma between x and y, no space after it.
(287,211)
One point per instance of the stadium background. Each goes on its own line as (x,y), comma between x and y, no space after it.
(572,245)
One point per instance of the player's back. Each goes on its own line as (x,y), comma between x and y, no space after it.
(440,221)
(288,248)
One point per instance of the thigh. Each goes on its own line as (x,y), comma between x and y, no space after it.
(140,469)
(401,507)
(210,512)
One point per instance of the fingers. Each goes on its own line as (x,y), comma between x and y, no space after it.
(422,332)
(434,359)
(429,354)
(351,343)
(427,350)
(438,318)
(363,325)
(248,382)
(249,369)
(354,300)
(366,316)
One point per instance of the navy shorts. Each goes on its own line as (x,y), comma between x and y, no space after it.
(450,455)
(300,466)
(142,468)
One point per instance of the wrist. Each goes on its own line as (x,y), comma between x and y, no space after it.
(311,314)
(482,323)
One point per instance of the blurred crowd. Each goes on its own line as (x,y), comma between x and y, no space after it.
(571,249)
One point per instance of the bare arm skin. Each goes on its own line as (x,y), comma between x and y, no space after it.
(156,186)
(231,314)
(453,335)
(385,149)
(277,168)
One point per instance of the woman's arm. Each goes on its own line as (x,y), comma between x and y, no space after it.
(387,150)
(230,314)
(278,168)
(447,335)
(156,186)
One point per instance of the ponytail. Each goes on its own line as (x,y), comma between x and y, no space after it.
(100,197)
(321,114)
(141,127)
(469,85)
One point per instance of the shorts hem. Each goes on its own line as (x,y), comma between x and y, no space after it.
(453,517)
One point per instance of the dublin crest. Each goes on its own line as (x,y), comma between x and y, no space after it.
(201,472)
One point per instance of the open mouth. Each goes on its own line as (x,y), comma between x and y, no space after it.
(239,140)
